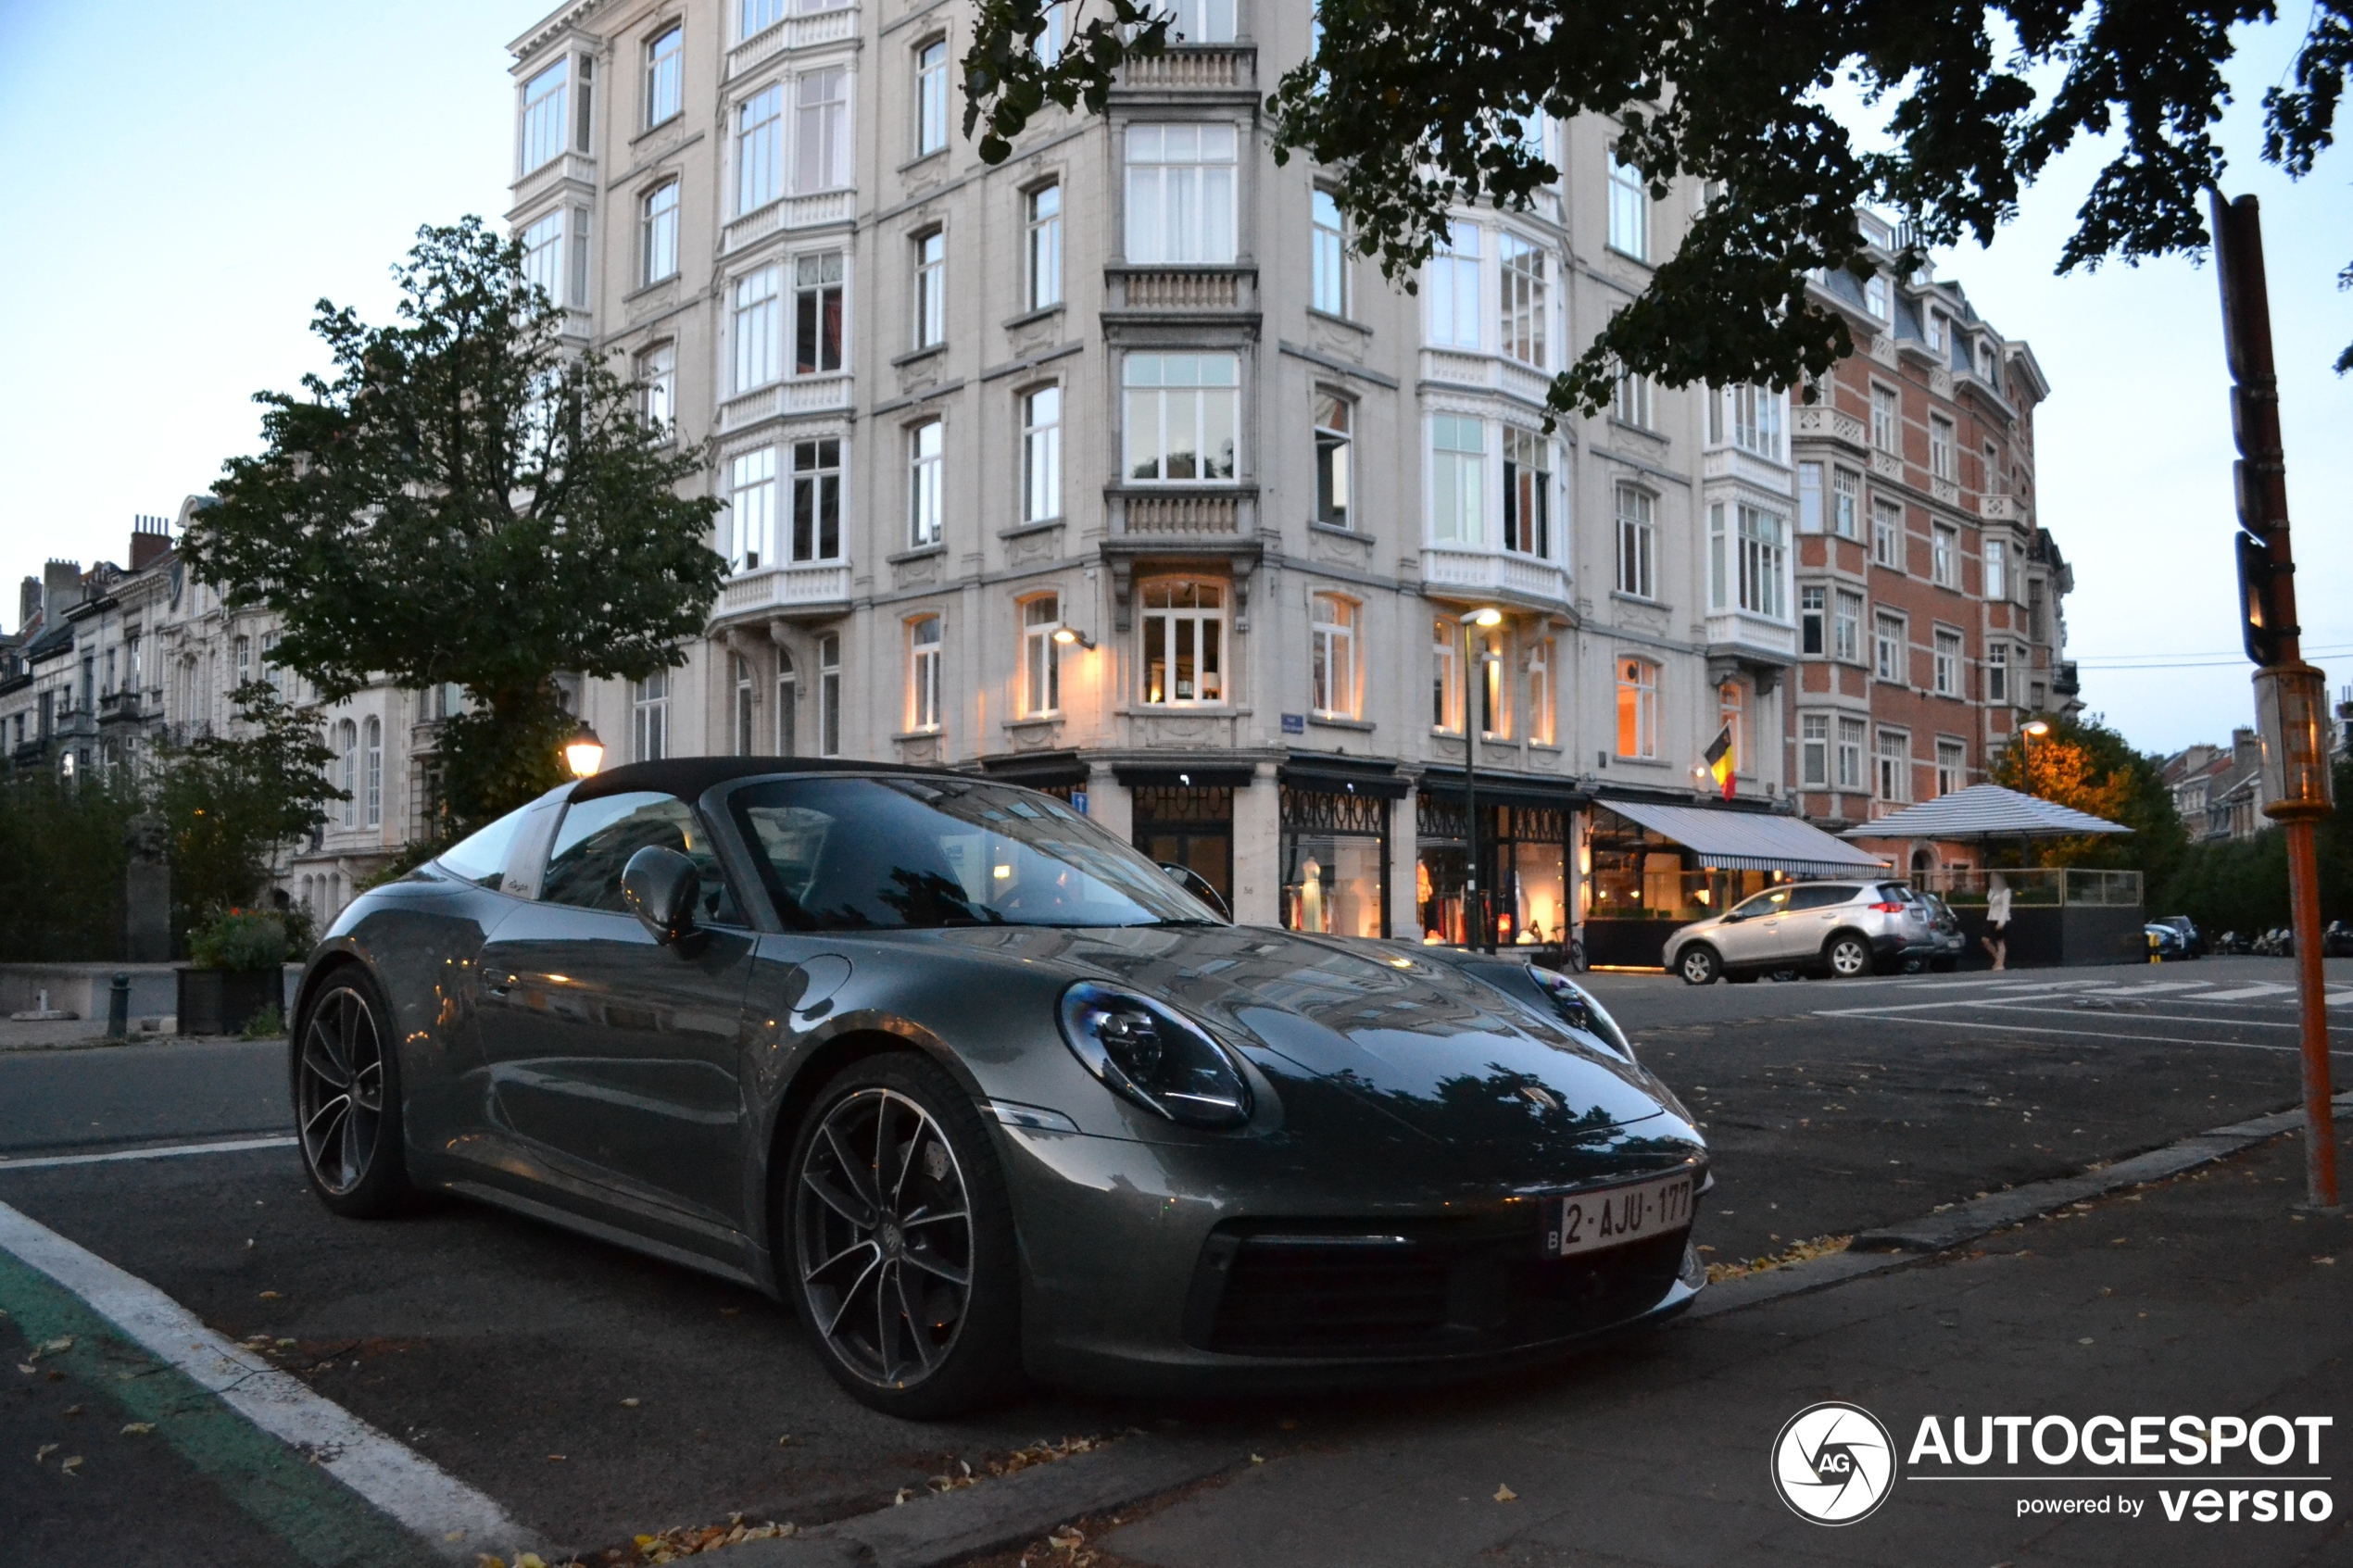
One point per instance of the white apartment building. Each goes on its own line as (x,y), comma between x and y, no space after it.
(1109,470)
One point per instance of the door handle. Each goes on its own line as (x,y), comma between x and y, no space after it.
(496,982)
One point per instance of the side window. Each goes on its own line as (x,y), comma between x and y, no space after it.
(482,859)
(597,837)
(1820,896)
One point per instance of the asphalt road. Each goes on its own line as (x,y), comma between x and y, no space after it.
(504,1351)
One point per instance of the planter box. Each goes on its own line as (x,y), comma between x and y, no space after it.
(222,1001)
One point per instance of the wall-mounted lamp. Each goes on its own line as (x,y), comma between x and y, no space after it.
(584,753)
(1068,636)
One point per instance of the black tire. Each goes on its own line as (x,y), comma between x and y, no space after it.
(343,1069)
(1847,956)
(851,1259)
(1698,965)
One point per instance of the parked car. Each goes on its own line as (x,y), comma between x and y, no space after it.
(2166,941)
(2193,943)
(1948,942)
(982,1092)
(2336,940)
(1841,929)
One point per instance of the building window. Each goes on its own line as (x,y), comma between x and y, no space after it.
(757,322)
(741,705)
(1527,493)
(758,15)
(816,500)
(1180,415)
(663,98)
(1541,722)
(1748,416)
(1201,21)
(1184,638)
(1940,446)
(1041,664)
(1453,290)
(1809,497)
(1888,648)
(1887,428)
(1895,765)
(1631,400)
(817,314)
(1846,628)
(1045,246)
(1814,750)
(1445,690)
(1875,294)
(1935,329)
(544,99)
(923,673)
(1997,575)
(371,774)
(1041,454)
(1335,427)
(1952,766)
(1997,673)
(1523,299)
(1637,707)
(1948,664)
(1745,565)
(1810,616)
(822,149)
(931,97)
(829,695)
(1180,194)
(1850,753)
(658,373)
(751,511)
(787,706)
(760,148)
(347,772)
(1887,534)
(1636,543)
(649,717)
(1329,257)
(1494,691)
(924,455)
(931,282)
(1457,480)
(1732,712)
(658,233)
(1945,556)
(543,257)
(1331,655)
(1629,211)
(1846,511)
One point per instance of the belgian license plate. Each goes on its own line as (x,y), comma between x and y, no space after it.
(1588,1221)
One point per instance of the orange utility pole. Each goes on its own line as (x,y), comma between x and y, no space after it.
(2291,697)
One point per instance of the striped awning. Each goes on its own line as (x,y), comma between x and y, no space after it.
(1986,811)
(1751,841)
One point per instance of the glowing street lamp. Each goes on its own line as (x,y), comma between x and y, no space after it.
(1070,635)
(584,754)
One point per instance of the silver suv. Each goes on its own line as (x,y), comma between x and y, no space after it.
(1842,929)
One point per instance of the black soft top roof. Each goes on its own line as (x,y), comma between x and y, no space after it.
(688,777)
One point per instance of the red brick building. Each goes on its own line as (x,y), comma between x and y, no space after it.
(1928,598)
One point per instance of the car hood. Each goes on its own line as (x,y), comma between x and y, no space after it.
(1420,1045)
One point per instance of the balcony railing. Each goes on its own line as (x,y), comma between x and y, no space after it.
(796,585)
(1193,66)
(1180,514)
(1828,423)
(1476,571)
(793,33)
(792,212)
(1486,370)
(803,395)
(1181,288)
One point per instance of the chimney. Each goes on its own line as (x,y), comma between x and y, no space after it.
(60,587)
(27,603)
(2246,751)
(150,541)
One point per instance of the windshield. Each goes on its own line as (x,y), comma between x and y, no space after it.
(855,853)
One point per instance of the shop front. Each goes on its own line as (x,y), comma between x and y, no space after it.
(1059,773)
(1526,831)
(1335,844)
(1651,867)
(1184,816)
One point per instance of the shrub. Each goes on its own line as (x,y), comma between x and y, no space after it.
(240,939)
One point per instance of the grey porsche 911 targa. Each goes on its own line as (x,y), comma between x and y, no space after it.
(986,1094)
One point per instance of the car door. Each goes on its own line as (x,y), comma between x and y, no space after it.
(1751,928)
(617,1053)
(1814,911)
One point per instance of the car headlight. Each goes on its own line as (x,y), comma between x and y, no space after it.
(1154,1056)
(1579,1010)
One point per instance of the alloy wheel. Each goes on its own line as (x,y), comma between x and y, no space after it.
(1848,957)
(340,1096)
(884,1233)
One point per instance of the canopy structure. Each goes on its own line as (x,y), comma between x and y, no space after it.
(1986,811)
(1751,841)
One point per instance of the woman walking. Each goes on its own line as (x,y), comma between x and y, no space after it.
(1997,921)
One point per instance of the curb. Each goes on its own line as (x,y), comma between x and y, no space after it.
(1901,1246)
(936,1531)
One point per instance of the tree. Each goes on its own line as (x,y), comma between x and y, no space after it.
(467,501)
(62,849)
(230,801)
(2083,764)
(1420,106)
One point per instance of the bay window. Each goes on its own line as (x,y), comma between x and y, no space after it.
(1453,290)
(817,313)
(760,148)
(544,97)
(1458,479)
(758,320)
(751,510)
(821,151)
(816,500)
(1184,643)
(1747,559)
(1180,194)
(1528,486)
(1523,299)
(1180,415)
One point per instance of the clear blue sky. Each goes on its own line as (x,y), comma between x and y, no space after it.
(187,179)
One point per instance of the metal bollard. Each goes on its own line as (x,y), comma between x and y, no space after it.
(119,1006)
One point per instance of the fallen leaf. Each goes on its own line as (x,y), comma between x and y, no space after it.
(2085,1340)
(530,1559)
(139,1429)
(1258,1459)
(68,1466)
(74,1410)
(44,1450)
(555,1459)
(453,1535)
(1067,1538)
(27,1367)
(272,1295)
(2324,1260)
(1504,1494)
(629,1404)
(905,1493)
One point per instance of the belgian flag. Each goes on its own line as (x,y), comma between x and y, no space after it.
(1719,759)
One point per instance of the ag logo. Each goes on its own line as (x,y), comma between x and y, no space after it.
(1833,1463)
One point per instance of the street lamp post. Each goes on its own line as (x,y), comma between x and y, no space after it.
(1474,897)
(584,753)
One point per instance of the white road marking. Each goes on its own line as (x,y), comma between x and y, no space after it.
(2092,1035)
(2244,994)
(2148,990)
(401,1482)
(169,1152)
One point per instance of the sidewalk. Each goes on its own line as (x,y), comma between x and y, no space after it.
(2200,1296)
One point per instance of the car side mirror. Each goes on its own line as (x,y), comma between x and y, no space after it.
(1199,886)
(659,887)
